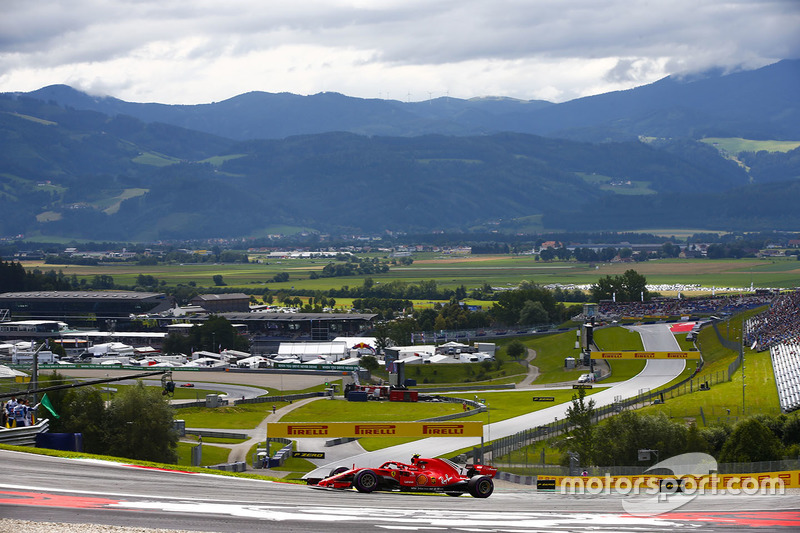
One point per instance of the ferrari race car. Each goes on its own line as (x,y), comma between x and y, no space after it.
(422,475)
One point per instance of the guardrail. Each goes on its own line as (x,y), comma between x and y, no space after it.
(217,434)
(24,436)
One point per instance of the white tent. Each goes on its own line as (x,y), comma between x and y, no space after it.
(205,362)
(350,361)
(6,372)
(255,361)
(333,351)
(441,358)
(111,347)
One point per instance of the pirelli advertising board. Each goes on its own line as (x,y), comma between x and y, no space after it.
(297,430)
(646,355)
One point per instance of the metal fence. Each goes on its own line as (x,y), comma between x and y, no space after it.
(285,398)
(466,335)
(730,345)
(722,468)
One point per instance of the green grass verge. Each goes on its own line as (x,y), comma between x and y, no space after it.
(550,353)
(212,455)
(181,393)
(461,373)
(245,416)
(505,405)
(760,396)
(619,338)
(342,411)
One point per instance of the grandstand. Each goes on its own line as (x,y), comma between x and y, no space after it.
(786,365)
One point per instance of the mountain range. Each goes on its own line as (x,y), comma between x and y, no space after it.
(78,166)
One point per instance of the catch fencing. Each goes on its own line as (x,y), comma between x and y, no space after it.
(522,469)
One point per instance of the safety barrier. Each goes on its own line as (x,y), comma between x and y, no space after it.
(239,466)
(24,436)
(217,434)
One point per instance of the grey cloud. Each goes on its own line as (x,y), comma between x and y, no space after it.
(641,36)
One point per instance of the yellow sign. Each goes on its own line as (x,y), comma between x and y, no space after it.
(321,430)
(728,482)
(646,355)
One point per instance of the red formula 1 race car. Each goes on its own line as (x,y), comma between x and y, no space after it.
(422,475)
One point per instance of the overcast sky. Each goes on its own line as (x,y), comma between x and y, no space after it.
(197,51)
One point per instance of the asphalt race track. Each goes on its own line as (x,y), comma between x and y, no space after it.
(49,489)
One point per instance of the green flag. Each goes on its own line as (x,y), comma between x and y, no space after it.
(48,405)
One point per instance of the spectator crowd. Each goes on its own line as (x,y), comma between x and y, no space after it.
(780,324)
(705,305)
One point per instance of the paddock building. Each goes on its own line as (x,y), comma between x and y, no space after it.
(62,305)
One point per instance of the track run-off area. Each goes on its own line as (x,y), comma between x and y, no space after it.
(80,491)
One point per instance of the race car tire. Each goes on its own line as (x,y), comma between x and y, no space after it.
(338,470)
(480,486)
(365,481)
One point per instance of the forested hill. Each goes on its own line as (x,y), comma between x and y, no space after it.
(757,104)
(82,174)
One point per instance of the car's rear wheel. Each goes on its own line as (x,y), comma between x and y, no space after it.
(365,481)
(480,486)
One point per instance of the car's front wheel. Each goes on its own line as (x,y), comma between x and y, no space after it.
(480,486)
(365,481)
(338,470)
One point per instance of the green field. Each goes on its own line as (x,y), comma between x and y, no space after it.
(451,272)
(155,159)
(617,185)
(736,145)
